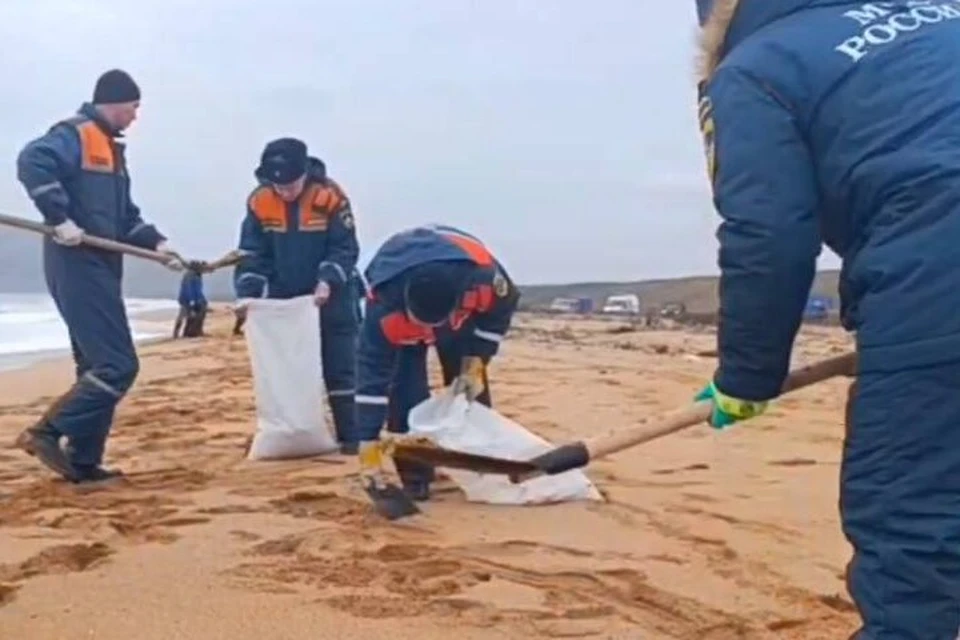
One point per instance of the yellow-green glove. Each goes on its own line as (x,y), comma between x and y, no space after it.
(370,456)
(728,410)
(470,380)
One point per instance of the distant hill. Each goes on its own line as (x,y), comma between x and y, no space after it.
(698,293)
(21,271)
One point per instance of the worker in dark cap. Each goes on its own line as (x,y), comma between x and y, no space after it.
(433,285)
(76,176)
(300,239)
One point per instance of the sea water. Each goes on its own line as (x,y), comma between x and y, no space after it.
(31,329)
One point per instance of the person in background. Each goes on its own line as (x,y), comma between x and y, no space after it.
(838,123)
(76,176)
(300,239)
(433,285)
(239,319)
(193,305)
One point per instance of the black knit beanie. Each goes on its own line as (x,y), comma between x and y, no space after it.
(115,86)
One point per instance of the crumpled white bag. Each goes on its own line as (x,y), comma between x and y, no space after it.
(283,341)
(454,423)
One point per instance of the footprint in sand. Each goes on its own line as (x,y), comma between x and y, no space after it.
(184,521)
(838,603)
(320,504)
(246,536)
(692,467)
(793,462)
(379,607)
(176,478)
(477,586)
(7,593)
(230,509)
(786,625)
(280,546)
(67,558)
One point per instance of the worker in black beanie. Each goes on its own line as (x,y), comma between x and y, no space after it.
(117,97)
(76,175)
(115,86)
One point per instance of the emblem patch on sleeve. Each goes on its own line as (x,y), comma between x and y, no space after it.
(500,285)
(346,216)
(707,130)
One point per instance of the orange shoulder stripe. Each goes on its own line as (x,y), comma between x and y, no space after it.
(269,209)
(329,196)
(96,149)
(316,206)
(477,252)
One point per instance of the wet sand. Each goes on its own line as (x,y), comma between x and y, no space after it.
(705,535)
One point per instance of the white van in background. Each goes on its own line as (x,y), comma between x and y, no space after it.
(628,303)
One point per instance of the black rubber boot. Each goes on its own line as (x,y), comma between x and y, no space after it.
(92,474)
(43,442)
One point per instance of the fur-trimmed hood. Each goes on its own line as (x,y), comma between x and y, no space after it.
(718,18)
(728,22)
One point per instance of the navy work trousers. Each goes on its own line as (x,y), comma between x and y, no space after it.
(339,335)
(900,502)
(86,287)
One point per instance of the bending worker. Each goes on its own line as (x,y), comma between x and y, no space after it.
(76,175)
(428,286)
(300,236)
(839,123)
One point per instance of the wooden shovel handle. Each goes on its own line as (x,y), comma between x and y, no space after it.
(843,365)
(229,259)
(93,241)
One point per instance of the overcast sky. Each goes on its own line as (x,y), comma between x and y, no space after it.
(564,134)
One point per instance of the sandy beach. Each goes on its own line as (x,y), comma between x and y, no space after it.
(705,535)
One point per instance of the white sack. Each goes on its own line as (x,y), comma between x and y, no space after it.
(283,339)
(453,423)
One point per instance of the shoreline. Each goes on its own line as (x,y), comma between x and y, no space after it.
(157,324)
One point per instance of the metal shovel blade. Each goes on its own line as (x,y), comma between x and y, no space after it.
(389,500)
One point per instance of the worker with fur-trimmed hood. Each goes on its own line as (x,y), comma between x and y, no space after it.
(838,123)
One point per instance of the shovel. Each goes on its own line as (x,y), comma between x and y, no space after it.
(229,259)
(389,500)
(92,241)
(579,454)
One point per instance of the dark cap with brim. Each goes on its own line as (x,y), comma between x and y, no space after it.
(282,161)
